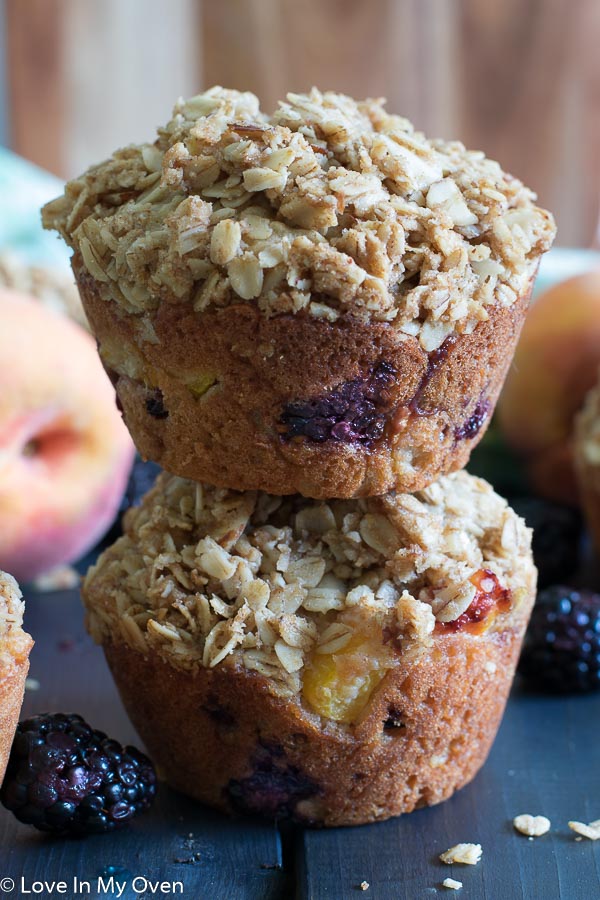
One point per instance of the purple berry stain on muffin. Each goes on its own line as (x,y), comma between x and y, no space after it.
(354,413)
(394,720)
(274,789)
(155,404)
(475,422)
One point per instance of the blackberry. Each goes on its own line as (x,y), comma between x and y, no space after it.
(557,534)
(561,653)
(66,778)
(354,413)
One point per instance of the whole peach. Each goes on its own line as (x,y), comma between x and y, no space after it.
(555,364)
(65,454)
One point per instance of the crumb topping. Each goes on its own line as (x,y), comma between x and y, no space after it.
(329,206)
(452,884)
(467,854)
(591,831)
(14,642)
(532,826)
(206,575)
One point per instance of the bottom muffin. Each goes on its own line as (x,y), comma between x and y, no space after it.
(15,645)
(339,662)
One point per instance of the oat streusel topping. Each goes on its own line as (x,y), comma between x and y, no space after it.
(331,206)
(14,641)
(467,854)
(532,826)
(203,575)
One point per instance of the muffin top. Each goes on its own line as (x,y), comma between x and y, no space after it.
(15,643)
(330,207)
(207,576)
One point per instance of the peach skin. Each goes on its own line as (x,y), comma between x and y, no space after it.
(555,364)
(65,454)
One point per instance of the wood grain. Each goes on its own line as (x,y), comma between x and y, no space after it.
(126,63)
(544,761)
(37,80)
(518,79)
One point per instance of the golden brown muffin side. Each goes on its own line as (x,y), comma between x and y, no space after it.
(204,394)
(15,645)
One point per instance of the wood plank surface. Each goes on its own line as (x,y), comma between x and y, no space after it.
(37,80)
(545,761)
(517,79)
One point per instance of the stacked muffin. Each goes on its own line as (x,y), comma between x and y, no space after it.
(308,318)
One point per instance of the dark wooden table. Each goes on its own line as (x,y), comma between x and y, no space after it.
(546,760)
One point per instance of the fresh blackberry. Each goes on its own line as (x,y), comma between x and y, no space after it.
(354,413)
(64,777)
(557,534)
(561,653)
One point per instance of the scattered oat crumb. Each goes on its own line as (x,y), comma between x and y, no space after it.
(577,839)
(61,578)
(364,885)
(32,684)
(591,831)
(533,826)
(468,854)
(452,884)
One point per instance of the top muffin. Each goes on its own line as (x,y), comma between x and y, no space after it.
(331,206)
(322,301)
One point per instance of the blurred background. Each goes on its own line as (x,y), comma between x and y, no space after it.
(518,78)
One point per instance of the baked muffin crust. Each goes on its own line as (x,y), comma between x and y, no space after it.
(15,645)
(337,662)
(330,206)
